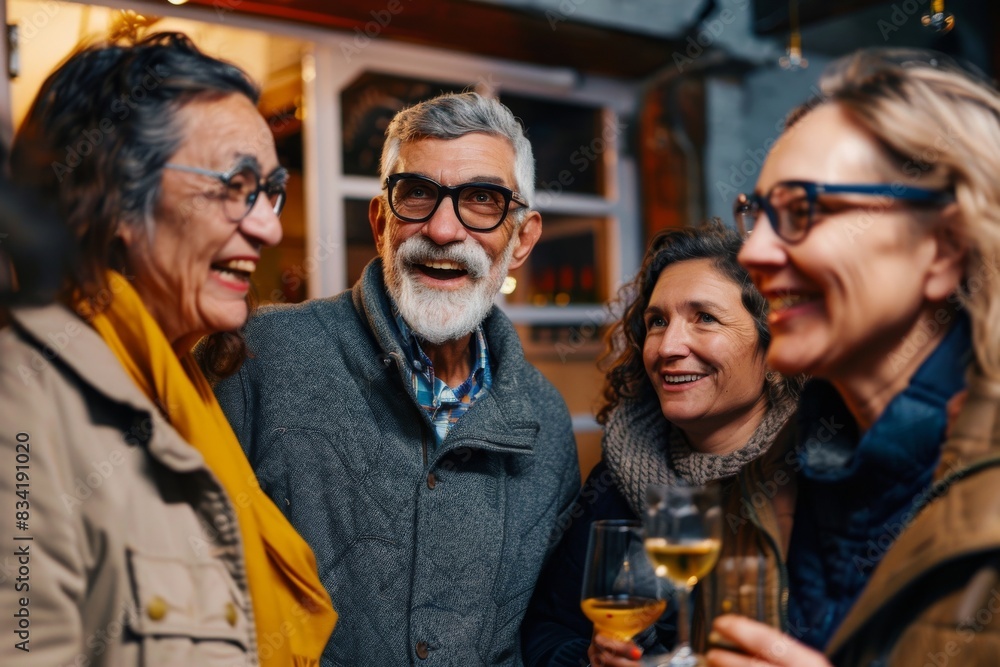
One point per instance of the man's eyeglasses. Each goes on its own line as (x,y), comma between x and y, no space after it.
(243,185)
(480,207)
(791,206)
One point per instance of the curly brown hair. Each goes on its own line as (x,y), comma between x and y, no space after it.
(626,377)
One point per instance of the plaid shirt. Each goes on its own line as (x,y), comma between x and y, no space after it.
(444,404)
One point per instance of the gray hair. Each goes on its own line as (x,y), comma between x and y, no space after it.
(454,115)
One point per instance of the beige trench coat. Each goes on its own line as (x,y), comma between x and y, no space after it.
(117,546)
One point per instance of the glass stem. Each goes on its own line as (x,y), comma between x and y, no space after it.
(683,621)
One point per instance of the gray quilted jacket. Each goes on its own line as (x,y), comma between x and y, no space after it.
(430,553)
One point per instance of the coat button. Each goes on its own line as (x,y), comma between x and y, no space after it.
(157,608)
(423,650)
(231,616)
(431,481)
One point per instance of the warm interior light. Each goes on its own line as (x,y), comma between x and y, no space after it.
(177,2)
(937,18)
(793,60)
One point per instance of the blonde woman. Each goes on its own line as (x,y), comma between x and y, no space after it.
(875,236)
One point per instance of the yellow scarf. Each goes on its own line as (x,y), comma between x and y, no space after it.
(293,612)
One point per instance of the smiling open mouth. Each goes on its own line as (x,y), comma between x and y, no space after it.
(442,270)
(779,302)
(238,270)
(682,379)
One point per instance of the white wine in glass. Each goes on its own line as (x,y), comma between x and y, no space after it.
(684,563)
(683,539)
(621,594)
(622,618)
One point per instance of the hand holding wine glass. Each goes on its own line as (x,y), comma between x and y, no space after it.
(621,594)
(683,538)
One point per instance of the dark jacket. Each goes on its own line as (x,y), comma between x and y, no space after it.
(430,553)
(557,634)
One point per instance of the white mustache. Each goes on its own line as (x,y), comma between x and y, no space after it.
(418,249)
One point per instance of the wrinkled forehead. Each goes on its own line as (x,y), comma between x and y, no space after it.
(220,132)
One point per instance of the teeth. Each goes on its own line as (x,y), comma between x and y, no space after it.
(788,300)
(241,265)
(448,266)
(678,379)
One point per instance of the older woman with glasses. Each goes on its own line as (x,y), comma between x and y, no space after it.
(874,234)
(141,534)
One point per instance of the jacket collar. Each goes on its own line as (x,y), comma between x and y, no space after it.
(60,335)
(960,492)
(506,411)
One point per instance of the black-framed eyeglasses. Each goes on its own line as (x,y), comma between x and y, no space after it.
(243,185)
(480,207)
(791,206)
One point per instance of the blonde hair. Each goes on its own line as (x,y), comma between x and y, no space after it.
(940,123)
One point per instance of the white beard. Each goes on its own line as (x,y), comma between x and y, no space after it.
(437,315)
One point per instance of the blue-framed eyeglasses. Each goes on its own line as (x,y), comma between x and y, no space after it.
(480,207)
(243,186)
(791,206)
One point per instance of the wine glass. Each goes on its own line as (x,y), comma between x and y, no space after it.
(683,538)
(621,593)
(740,589)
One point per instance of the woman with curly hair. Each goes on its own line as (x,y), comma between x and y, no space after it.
(688,399)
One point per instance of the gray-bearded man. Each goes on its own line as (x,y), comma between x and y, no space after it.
(398,425)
